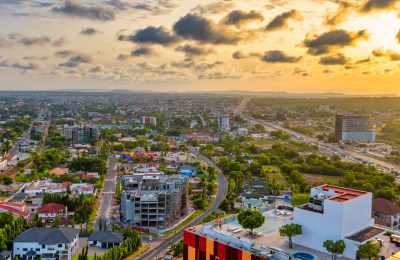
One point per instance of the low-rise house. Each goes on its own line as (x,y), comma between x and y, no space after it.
(3,165)
(52,210)
(7,255)
(59,171)
(386,213)
(21,207)
(47,243)
(105,239)
(16,212)
(19,198)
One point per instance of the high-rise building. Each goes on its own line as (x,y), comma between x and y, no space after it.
(352,127)
(149,120)
(153,200)
(81,133)
(223,121)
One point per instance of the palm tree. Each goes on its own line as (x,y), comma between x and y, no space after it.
(275,187)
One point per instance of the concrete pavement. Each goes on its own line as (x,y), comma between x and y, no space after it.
(107,195)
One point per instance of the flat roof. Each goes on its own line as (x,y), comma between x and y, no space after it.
(366,234)
(344,194)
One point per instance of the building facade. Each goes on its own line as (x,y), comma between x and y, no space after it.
(81,133)
(152,200)
(3,164)
(336,213)
(352,127)
(47,243)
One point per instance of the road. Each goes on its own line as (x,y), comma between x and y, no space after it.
(203,122)
(107,194)
(350,154)
(221,194)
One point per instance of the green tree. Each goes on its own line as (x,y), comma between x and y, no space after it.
(177,249)
(7,180)
(275,187)
(290,230)
(251,219)
(368,250)
(195,143)
(6,218)
(335,248)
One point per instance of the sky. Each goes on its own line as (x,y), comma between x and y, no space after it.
(298,46)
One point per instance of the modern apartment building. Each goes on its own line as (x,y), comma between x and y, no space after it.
(149,120)
(223,121)
(352,127)
(81,133)
(336,213)
(153,200)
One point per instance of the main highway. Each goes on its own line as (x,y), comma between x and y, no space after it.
(350,155)
(221,194)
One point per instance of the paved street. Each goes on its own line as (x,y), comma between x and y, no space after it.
(107,194)
(153,253)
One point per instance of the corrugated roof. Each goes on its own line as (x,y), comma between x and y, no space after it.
(106,237)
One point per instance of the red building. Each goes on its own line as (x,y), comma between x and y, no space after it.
(201,246)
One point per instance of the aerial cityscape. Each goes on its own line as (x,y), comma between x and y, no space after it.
(199,130)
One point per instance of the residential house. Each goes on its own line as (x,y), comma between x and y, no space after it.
(19,198)
(105,239)
(386,213)
(16,213)
(47,242)
(52,210)
(59,171)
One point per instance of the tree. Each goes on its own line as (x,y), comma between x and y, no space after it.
(275,187)
(100,226)
(290,230)
(195,143)
(251,219)
(177,249)
(335,248)
(6,218)
(368,250)
(7,180)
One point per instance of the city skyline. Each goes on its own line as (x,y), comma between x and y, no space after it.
(301,46)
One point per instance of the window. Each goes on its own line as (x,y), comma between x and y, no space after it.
(37,249)
(60,245)
(43,246)
(25,249)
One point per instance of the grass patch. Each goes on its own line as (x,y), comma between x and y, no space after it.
(148,234)
(273,170)
(137,252)
(75,257)
(95,209)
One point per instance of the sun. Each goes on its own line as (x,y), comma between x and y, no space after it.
(382,28)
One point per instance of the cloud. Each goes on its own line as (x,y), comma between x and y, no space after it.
(238,55)
(344,8)
(89,31)
(65,53)
(142,51)
(363,60)
(281,20)
(334,59)
(239,17)
(77,60)
(378,52)
(214,8)
(394,56)
(151,34)
(76,9)
(323,43)
(191,50)
(276,56)
(28,65)
(22,65)
(195,27)
(398,37)
(33,41)
(372,5)
(207,66)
